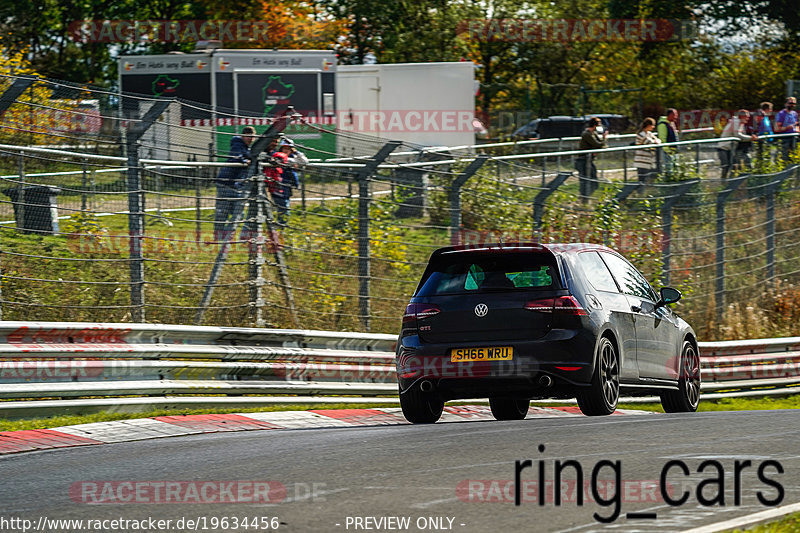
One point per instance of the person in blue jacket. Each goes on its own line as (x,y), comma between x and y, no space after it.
(231,184)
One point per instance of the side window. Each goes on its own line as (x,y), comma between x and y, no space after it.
(631,281)
(597,272)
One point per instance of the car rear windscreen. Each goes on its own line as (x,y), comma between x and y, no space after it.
(461,273)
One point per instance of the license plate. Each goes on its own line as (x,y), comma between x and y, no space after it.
(461,355)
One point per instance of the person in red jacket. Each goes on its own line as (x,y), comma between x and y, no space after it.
(273,174)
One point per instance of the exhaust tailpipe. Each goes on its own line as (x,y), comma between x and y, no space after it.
(426,386)
(545,381)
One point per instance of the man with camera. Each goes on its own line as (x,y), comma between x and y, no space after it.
(593,138)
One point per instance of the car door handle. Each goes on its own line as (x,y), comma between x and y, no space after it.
(636,309)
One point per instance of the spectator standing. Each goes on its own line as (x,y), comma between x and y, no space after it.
(739,127)
(593,138)
(645,160)
(667,129)
(746,133)
(281,189)
(763,129)
(230,182)
(786,123)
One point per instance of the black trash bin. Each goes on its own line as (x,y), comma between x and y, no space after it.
(35,208)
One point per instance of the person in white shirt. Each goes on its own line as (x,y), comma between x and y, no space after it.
(646,161)
(739,127)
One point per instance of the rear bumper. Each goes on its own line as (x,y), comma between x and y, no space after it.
(572,350)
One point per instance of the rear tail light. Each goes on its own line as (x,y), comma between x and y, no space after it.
(419,312)
(545,305)
(568,305)
(563,305)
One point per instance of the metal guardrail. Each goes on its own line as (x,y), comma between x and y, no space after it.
(51,364)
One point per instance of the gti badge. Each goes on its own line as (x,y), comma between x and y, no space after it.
(481,310)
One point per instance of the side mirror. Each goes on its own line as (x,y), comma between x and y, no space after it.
(668,296)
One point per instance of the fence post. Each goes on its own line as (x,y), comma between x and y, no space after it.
(255,224)
(627,190)
(541,198)
(21,193)
(255,150)
(84,185)
(207,174)
(92,188)
(8,98)
(666,227)
(697,158)
(136,208)
(719,259)
(455,195)
(625,166)
(363,177)
(136,231)
(11,94)
(770,191)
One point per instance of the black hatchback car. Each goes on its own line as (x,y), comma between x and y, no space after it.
(513,322)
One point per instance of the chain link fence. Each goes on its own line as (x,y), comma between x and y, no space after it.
(108,205)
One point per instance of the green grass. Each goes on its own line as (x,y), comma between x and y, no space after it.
(789,524)
(728,404)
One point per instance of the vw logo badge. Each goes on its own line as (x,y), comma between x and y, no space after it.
(481,310)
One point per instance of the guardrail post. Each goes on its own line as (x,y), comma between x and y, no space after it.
(666,227)
(541,198)
(363,177)
(455,195)
(722,197)
(136,208)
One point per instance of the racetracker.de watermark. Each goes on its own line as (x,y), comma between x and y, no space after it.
(168,31)
(179,492)
(572,30)
(176,242)
(407,120)
(623,241)
(567,491)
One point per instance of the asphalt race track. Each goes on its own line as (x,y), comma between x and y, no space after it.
(442,477)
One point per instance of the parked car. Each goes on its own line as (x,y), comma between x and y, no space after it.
(566,126)
(512,322)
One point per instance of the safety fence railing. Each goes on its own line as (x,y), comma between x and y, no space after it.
(42,364)
(124,224)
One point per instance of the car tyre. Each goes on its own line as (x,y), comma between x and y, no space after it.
(421,407)
(687,397)
(509,408)
(601,397)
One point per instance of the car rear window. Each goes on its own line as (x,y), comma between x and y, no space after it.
(471,273)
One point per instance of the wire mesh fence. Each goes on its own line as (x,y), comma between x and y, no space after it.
(111,210)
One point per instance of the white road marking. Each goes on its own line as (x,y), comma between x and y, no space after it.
(747,520)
